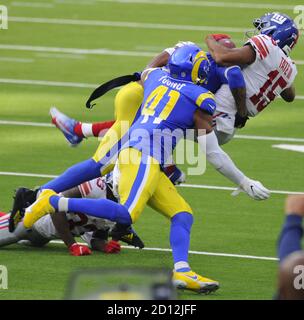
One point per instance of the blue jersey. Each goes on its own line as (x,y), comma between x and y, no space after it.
(167,112)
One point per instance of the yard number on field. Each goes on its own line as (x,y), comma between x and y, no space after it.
(299,20)
(3,277)
(3,17)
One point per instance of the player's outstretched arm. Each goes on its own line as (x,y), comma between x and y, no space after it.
(222,162)
(63,229)
(61,224)
(229,57)
(159,61)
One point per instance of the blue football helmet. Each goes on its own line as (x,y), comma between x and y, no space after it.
(280,27)
(189,63)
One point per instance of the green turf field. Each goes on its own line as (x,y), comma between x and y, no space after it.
(61,51)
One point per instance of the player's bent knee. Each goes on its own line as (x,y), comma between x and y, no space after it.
(123,216)
(183,219)
(185,207)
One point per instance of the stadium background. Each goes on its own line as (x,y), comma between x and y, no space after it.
(55,52)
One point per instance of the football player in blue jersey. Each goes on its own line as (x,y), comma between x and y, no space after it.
(127,106)
(173,102)
(129,99)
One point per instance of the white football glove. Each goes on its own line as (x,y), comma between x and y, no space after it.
(253,188)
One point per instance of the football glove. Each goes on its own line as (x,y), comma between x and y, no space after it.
(78,250)
(253,188)
(240,121)
(112,247)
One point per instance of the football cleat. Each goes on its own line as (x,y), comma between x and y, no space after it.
(66,125)
(125,233)
(23,198)
(194,282)
(39,208)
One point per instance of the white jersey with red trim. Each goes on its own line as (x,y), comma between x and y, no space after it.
(270,74)
(94,189)
(79,223)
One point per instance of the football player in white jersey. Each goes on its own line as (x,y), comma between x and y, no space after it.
(94,231)
(267,68)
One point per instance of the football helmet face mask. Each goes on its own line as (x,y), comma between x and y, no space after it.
(280,27)
(189,63)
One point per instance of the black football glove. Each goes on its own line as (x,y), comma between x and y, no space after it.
(240,121)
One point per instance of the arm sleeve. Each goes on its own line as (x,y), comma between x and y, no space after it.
(290,238)
(235,77)
(232,76)
(219,159)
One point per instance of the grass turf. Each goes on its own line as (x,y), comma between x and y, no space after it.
(222,223)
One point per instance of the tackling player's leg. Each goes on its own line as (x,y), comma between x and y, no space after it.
(172,205)
(140,181)
(127,108)
(127,104)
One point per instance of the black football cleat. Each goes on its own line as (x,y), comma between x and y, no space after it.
(125,233)
(23,198)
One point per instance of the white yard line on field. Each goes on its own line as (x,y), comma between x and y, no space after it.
(32,4)
(101,51)
(237,136)
(123,24)
(65,84)
(31,175)
(25,123)
(48,83)
(205,253)
(212,4)
(18,60)
(194,186)
(200,186)
(46,55)
(290,147)
(76,52)
(268,138)
(74,2)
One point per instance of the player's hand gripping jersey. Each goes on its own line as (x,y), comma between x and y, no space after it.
(167,111)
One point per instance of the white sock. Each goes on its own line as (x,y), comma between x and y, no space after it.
(87,129)
(63,204)
(181,265)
